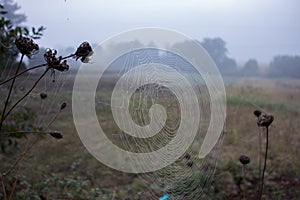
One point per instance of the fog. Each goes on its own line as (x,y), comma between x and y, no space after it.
(251,28)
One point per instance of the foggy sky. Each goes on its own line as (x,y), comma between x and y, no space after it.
(252,28)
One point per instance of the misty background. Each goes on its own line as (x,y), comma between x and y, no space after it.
(245,38)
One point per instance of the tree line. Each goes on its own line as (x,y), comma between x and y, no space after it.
(280,66)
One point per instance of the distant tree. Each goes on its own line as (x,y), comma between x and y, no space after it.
(11,14)
(10,30)
(285,66)
(216,47)
(250,68)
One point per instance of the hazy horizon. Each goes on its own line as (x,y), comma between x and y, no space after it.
(251,29)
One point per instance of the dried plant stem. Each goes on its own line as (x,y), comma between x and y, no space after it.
(265,164)
(52,120)
(3,187)
(27,149)
(10,91)
(31,68)
(245,185)
(15,184)
(18,173)
(259,156)
(26,94)
(23,132)
(21,73)
(69,56)
(39,112)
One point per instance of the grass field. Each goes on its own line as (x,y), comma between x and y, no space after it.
(63,169)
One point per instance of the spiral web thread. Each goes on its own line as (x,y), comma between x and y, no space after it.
(189,177)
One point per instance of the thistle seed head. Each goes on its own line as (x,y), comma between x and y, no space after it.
(26,46)
(83,52)
(265,120)
(257,113)
(55,62)
(190,164)
(187,156)
(244,159)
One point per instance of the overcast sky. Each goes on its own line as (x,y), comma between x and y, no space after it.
(252,28)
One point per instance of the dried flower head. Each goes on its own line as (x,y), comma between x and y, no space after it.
(265,120)
(63,106)
(190,164)
(26,46)
(257,113)
(43,95)
(187,156)
(54,62)
(84,51)
(56,135)
(244,159)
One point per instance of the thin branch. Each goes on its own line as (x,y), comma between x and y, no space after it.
(17,175)
(20,158)
(69,56)
(260,155)
(31,68)
(19,74)
(265,165)
(10,91)
(25,95)
(15,184)
(3,187)
(245,184)
(23,132)
(52,120)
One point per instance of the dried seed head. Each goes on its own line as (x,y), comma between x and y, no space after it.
(189,164)
(265,120)
(187,156)
(63,106)
(43,95)
(244,159)
(257,113)
(56,135)
(26,46)
(42,197)
(84,51)
(54,62)
(62,66)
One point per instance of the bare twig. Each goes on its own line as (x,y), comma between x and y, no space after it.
(15,184)
(3,187)
(26,94)
(265,164)
(244,160)
(23,72)
(23,132)
(259,156)
(52,120)
(10,91)
(245,186)
(27,149)
(18,173)
(31,68)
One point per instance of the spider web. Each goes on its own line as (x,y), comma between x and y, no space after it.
(189,177)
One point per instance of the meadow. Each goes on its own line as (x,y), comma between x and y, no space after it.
(64,169)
